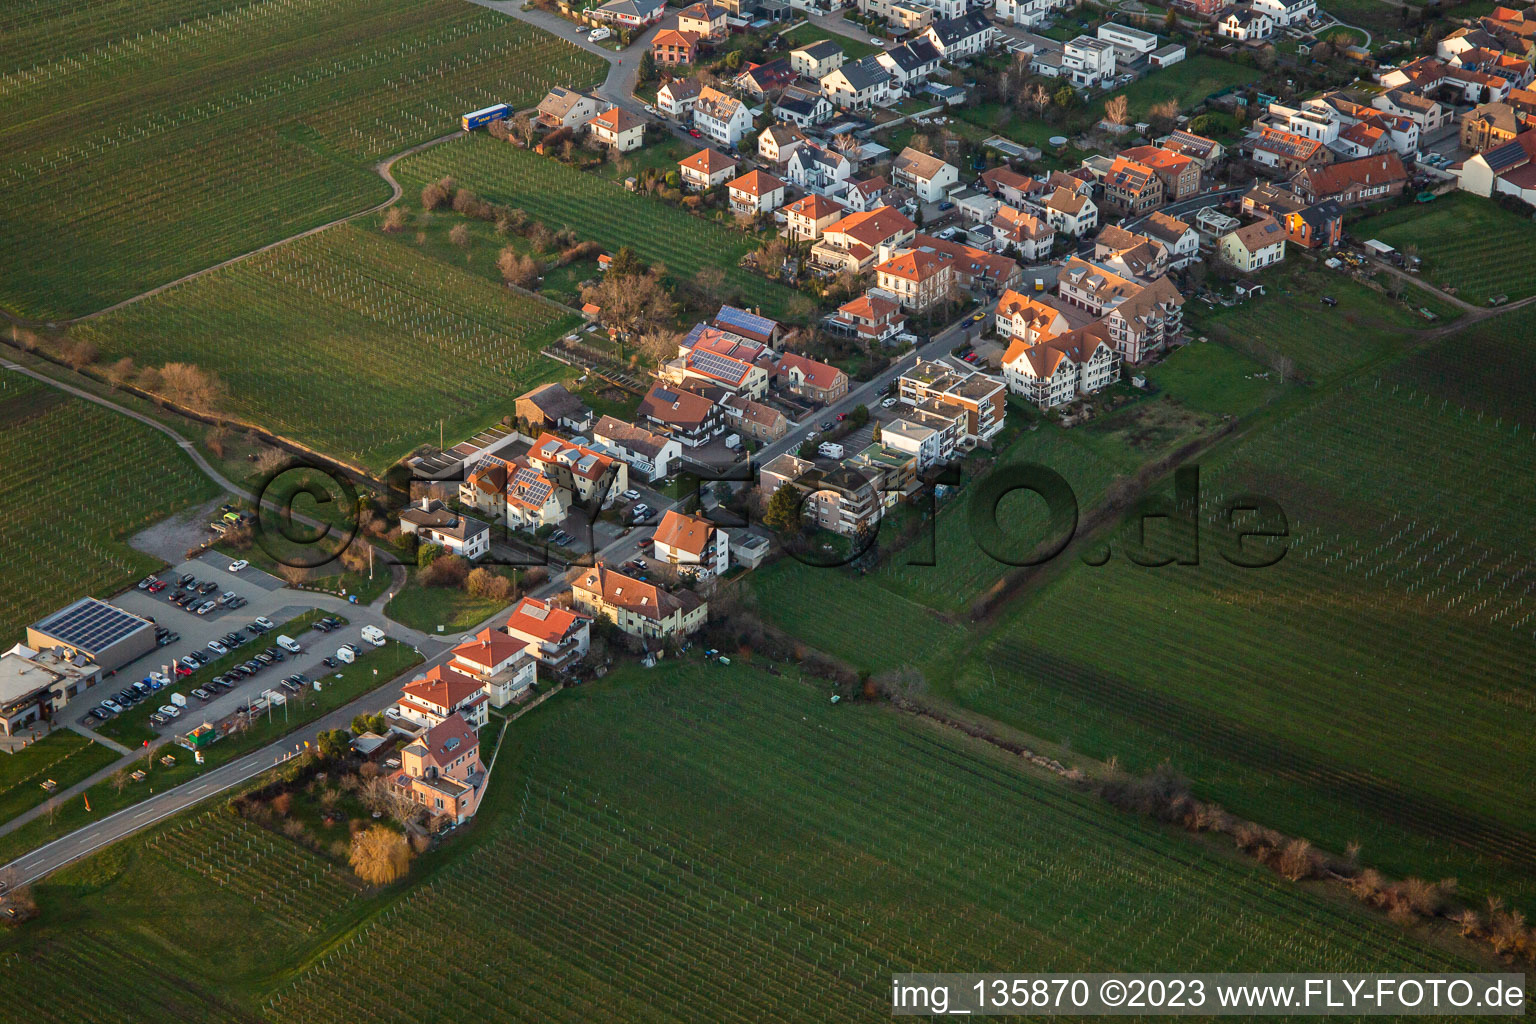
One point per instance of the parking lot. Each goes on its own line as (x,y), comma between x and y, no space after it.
(266,598)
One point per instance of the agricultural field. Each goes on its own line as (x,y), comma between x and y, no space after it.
(1466,242)
(141,142)
(1291,321)
(440,343)
(768,856)
(595,209)
(63,757)
(1351,692)
(78,481)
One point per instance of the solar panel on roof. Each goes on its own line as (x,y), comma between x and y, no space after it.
(90,625)
(719,366)
(730,316)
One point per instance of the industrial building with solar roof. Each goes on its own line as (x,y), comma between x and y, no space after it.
(104,633)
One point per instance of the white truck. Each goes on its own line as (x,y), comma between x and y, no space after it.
(290,645)
(374,635)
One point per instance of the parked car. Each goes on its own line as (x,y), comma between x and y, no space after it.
(100,714)
(161,678)
(146,581)
(186,579)
(207,588)
(112,706)
(217,648)
(887,403)
(170,710)
(238,564)
(200,693)
(158,719)
(264,622)
(157,586)
(205,607)
(631,494)
(329,662)
(227,598)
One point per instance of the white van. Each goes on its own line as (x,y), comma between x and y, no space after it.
(830,450)
(374,635)
(345,656)
(290,645)
(733,441)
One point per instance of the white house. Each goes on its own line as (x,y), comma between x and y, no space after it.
(618,129)
(677,97)
(800,106)
(925,174)
(499,663)
(1246,25)
(648,454)
(1068,211)
(1133,40)
(555,637)
(1286,13)
(436,523)
(706,169)
(816,60)
(756,192)
(859,85)
(721,118)
(778,142)
(1255,246)
(1088,61)
(1027,13)
(911,63)
(691,541)
(965,36)
(925,444)
(1056,370)
(818,169)
(1180,239)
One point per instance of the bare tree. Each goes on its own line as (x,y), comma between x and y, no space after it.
(189,385)
(380,855)
(460,236)
(395,220)
(1117,110)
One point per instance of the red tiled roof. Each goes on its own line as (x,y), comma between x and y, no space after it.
(542,620)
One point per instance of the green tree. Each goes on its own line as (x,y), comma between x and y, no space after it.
(1065,96)
(334,744)
(647,67)
(1171,20)
(783,511)
(427,554)
(369,723)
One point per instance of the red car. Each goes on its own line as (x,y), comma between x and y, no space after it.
(157,586)
(181,670)
(695,133)
(841,416)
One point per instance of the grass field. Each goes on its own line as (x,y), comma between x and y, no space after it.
(428,608)
(63,756)
(1189,82)
(560,196)
(806,34)
(1466,242)
(765,856)
(1215,379)
(1290,319)
(78,480)
(139,142)
(438,343)
(1353,691)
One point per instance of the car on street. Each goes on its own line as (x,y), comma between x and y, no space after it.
(977,318)
(238,564)
(887,403)
(825,425)
(169,710)
(695,133)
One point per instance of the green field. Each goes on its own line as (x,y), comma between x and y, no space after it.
(1189,82)
(347,342)
(76,481)
(764,856)
(594,208)
(140,142)
(1466,242)
(1215,379)
(806,34)
(1352,692)
(62,756)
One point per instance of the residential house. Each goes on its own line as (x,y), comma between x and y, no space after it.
(1087,61)
(811,380)
(858,85)
(867,194)
(979,397)
(514,492)
(1071,213)
(567,108)
(441,769)
(927,175)
(802,106)
(1317,226)
(1142,316)
(1208,153)
(721,118)
(710,356)
(689,419)
(923,443)
(647,454)
(957,38)
(778,142)
(500,664)
(1204,9)
(1180,239)
(816,60)
(1354,181)
(1179,174)
(910,63)
(1488,125)
(1027,13)
(1286,151)
(761,81)
(756,192)
(1427,114)
(1032,238)
(618,129)
(973,268)
(872,317)
(676,98)
(1134,41)
(1024,318)
(705,20)
(805,219)
(671,47)
(1010,186)
(1057,369)
(748,325)
(436,523)
(684,540)
(1503,170)
(920,279)
(555,637)
(706,169)
(852,242)
(552,407)
(1245,24)
(753,419)
(817,169)
(844,501)
(592,477)
(1132,188)
(631,13)
(638,608)
(1254,246)
(1286,13)
(442,692)
(1361,139)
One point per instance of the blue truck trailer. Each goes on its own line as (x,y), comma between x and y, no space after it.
(479,118)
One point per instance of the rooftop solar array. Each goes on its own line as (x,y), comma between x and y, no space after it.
(732,318)
(718,366)
(90,625)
